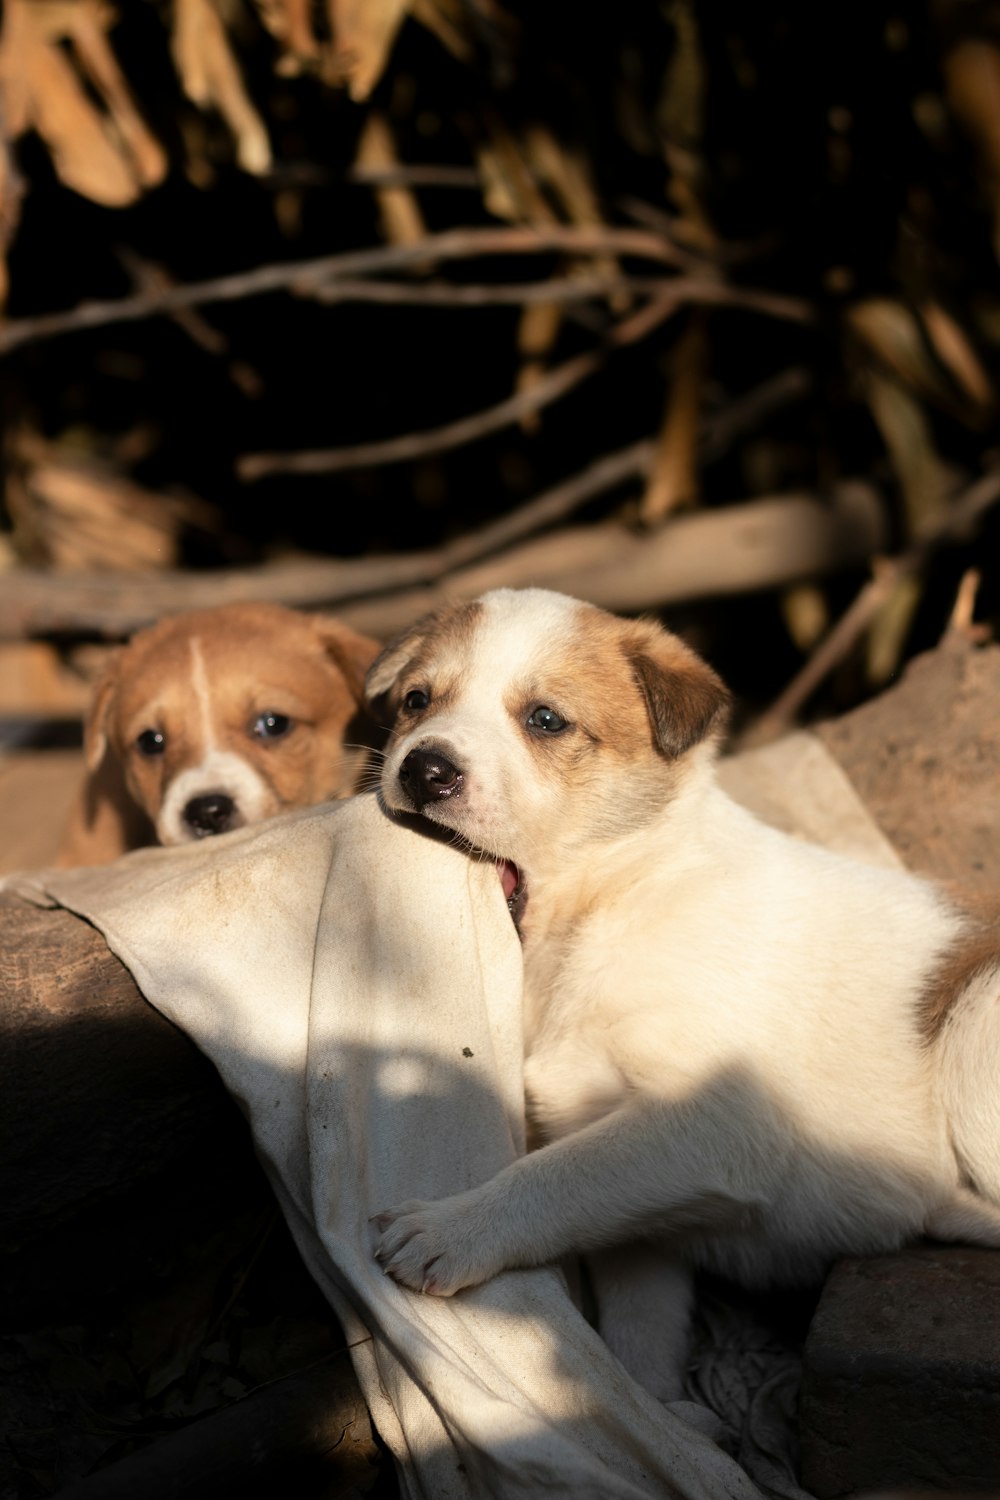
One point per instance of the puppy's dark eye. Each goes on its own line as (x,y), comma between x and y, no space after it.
(271,726)
(151,742)
(416,700)
(545,720)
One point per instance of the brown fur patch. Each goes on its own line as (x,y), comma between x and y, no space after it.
(975,951)
(583,677)
(685,699)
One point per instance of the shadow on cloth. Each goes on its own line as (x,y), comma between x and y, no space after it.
(358,990)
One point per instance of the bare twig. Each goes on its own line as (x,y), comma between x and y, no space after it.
(400,174)
(962,625)
(748,412)
(312,277)
(149,278)
(958,519)
(306,276)
(502,294)
(550,388)
(554,505)
(468,429)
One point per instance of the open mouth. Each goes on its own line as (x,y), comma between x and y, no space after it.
(514,889)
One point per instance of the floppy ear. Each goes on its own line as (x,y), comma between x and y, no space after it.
(352,653)
(685,700)
(387,668)
(95,727)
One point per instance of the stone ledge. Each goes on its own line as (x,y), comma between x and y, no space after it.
(901,1377)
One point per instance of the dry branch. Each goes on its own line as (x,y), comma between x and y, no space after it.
(736,549)
(308,277)
(562,289)
(957,521)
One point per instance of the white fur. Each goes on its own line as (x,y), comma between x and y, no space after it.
(722,1034)
(218,771)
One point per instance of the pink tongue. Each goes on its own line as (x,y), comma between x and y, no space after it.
(509,877)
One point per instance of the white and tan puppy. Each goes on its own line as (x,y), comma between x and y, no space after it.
(218,718)
(743,1052)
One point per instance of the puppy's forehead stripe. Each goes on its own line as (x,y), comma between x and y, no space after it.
(202,695)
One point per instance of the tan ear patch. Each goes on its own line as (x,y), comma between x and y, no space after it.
(95,727)
(685,700)
(352,653)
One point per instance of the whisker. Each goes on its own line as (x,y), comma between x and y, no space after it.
(368,749)
(369,782)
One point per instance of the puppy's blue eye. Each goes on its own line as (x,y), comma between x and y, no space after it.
(416,700)
(271,726)
(151,742)
(546,720)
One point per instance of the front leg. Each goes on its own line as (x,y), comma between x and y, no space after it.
(644,1302)
(643,1169)
(440,1247)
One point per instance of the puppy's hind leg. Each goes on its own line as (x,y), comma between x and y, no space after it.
(968,1050)
(644,1314)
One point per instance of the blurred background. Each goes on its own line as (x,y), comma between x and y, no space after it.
(688,307)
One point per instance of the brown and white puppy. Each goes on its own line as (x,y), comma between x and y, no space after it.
(743,1052)
(217,718)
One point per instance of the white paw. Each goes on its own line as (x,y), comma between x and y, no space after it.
(433,1247)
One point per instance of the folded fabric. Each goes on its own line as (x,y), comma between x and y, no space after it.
(357,983)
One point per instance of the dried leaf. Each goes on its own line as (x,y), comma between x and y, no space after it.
(42,92)
(681,107)
(290,23)
(567,175)
(673,476)
(957,355)
(85,28)
(680,117)
(363,32)
(11,190)
(922,351)
(537,330)
(212,80)
(402,221)
(888,633)
(449,22)
(972,84)
(69,513)
(924,480)
(510,190)
(806,615)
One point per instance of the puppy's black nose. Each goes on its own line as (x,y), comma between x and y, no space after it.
(427,775)
(210,814)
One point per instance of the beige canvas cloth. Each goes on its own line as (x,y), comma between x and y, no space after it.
(358,986)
